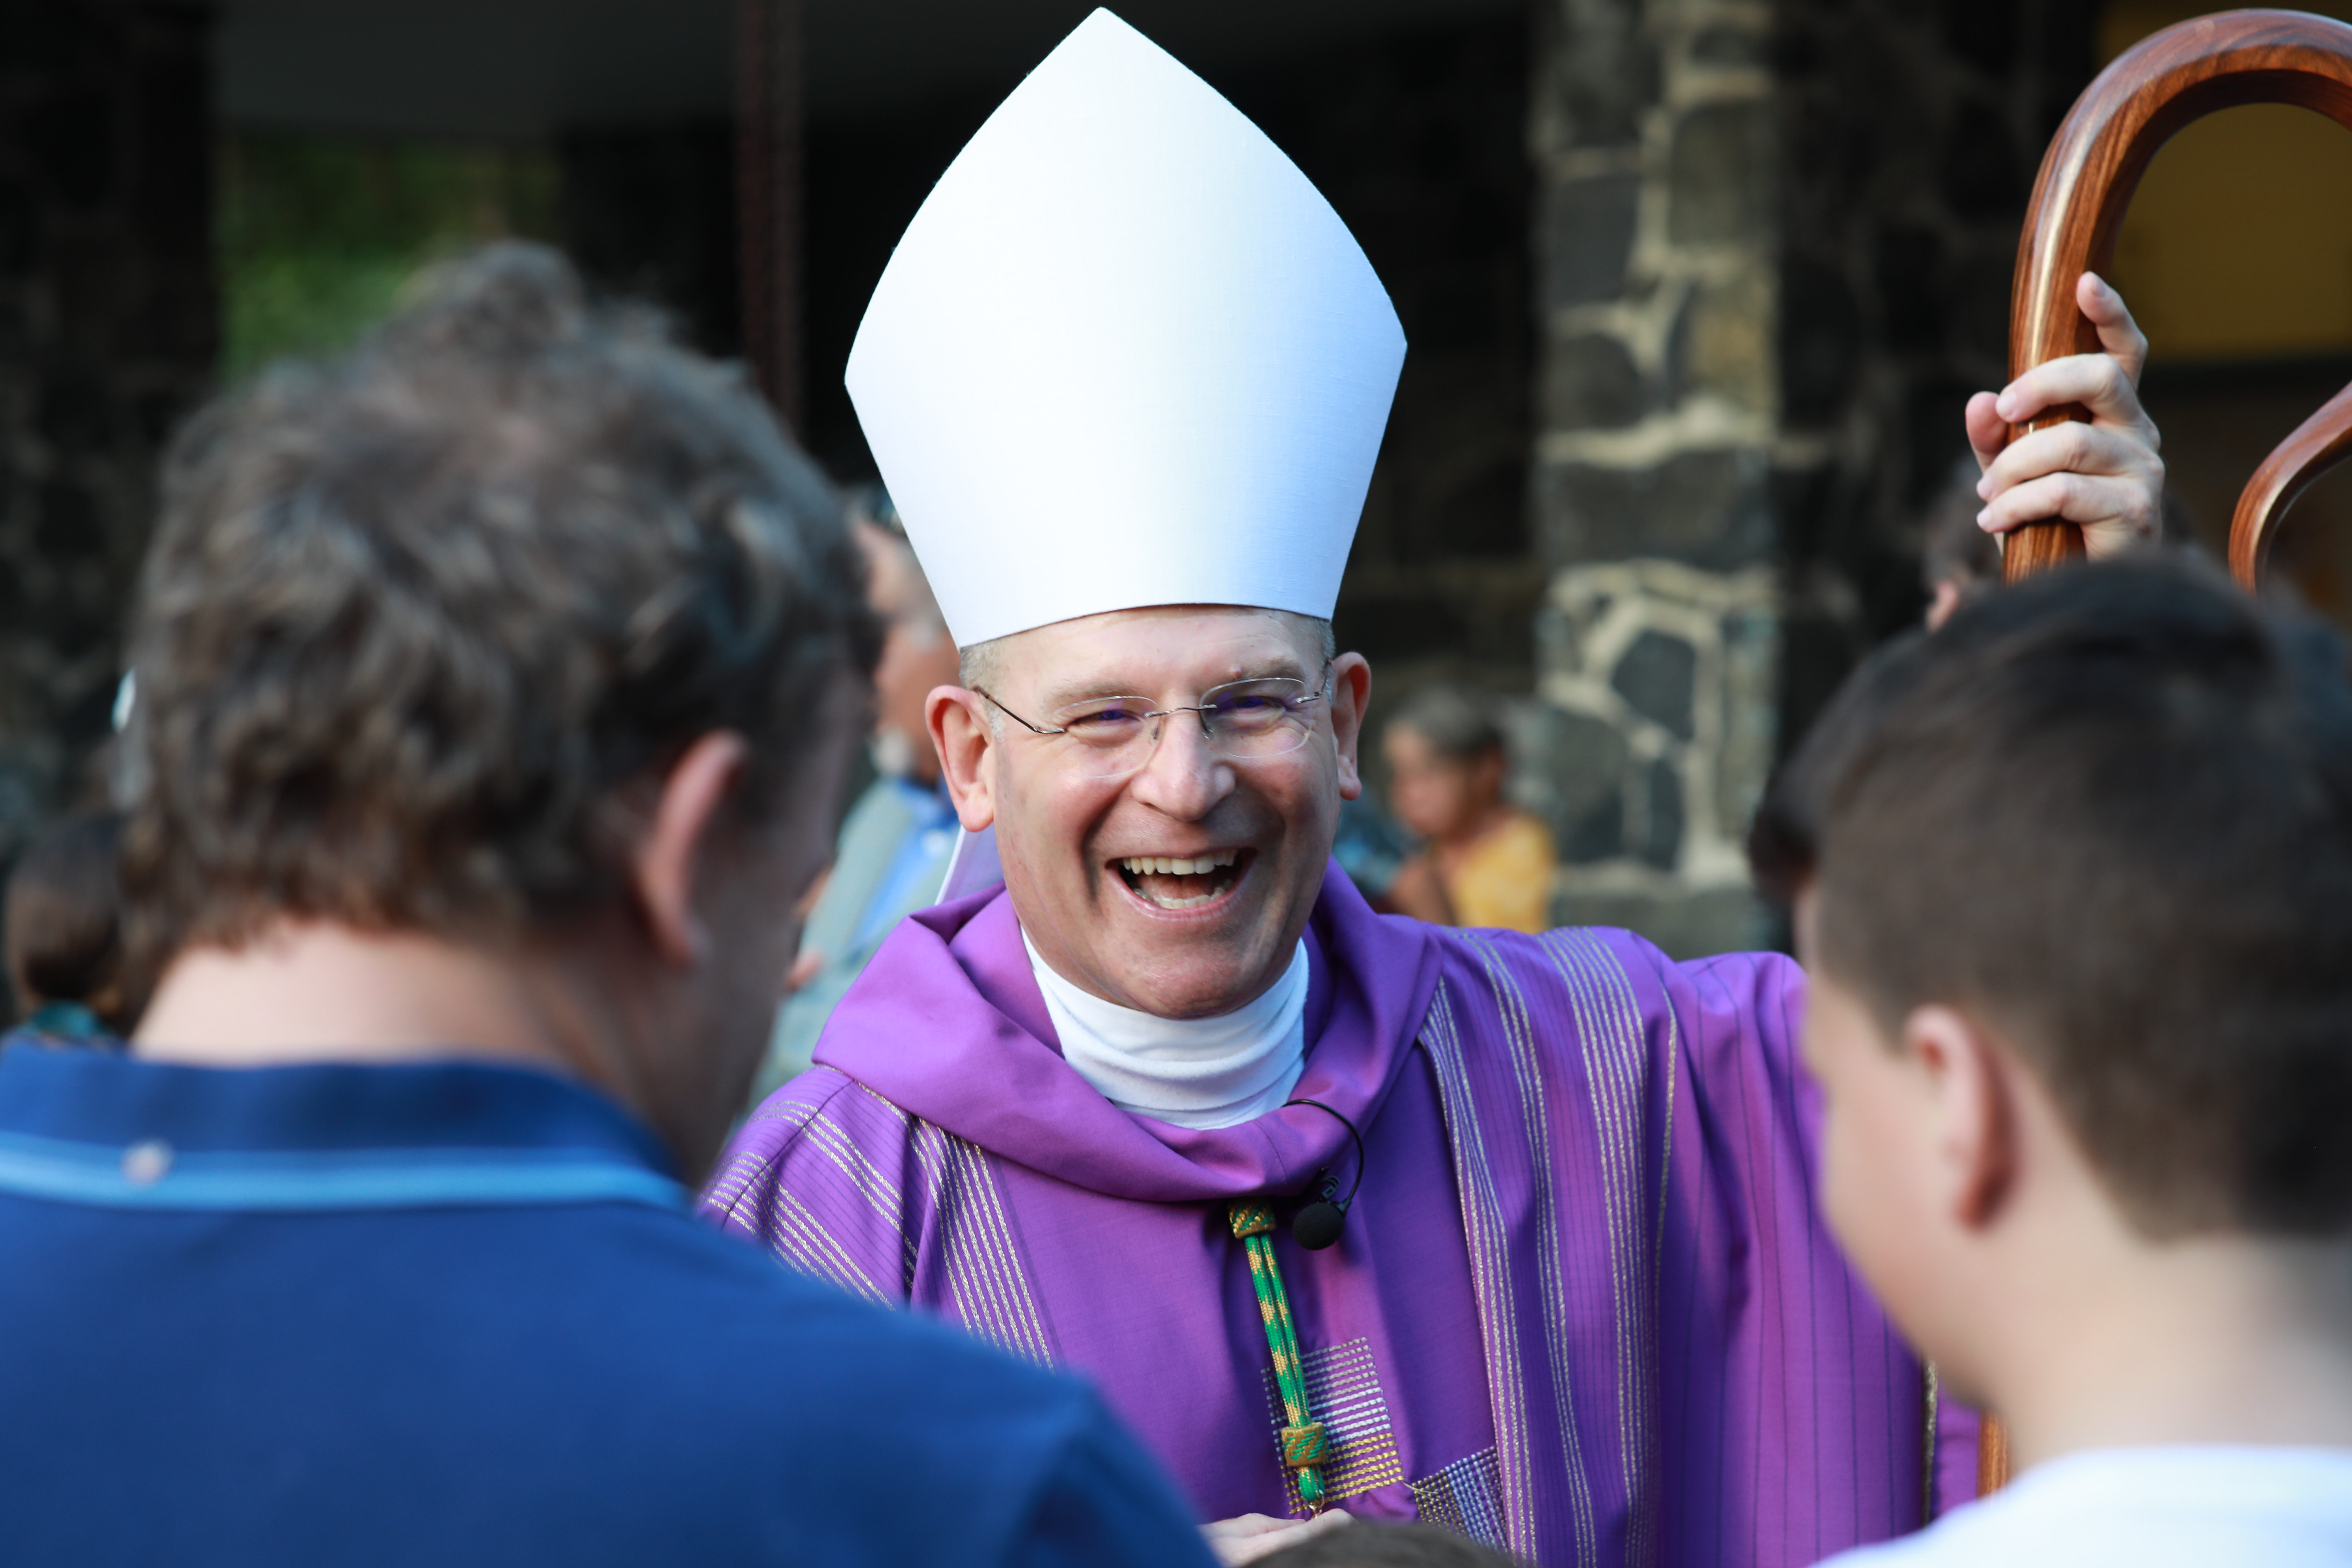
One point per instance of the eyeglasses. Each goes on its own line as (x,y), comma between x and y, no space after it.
(1248,721)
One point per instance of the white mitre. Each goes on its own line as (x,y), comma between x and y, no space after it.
(1125,355)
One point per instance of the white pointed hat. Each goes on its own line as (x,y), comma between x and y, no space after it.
(1125,355)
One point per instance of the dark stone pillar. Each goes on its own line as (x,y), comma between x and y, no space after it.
(1656,234)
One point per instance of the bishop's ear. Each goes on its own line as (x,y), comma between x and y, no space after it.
(962,733)
(1973,1093)
(1352,693)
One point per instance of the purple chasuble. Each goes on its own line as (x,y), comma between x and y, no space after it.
(1584,1306)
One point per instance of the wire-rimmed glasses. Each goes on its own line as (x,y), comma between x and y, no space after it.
(1248,721)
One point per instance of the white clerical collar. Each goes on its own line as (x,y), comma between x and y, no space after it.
(1193,1072)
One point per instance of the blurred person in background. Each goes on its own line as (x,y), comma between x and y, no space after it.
(894,847)
(494,687)
(1960,562)
(1484,862)
(64,919)
(1373,850)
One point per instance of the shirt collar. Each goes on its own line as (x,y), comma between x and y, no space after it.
(93,1098)
(1193,1072)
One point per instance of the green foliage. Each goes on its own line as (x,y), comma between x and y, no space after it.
(317,234)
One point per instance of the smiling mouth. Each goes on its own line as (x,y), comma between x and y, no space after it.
(1176,882)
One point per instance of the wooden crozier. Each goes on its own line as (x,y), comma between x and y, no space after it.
(2088,178)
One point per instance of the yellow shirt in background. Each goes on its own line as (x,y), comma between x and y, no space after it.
(1506,878)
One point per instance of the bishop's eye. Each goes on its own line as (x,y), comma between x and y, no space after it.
(1112,717)
(1255,707)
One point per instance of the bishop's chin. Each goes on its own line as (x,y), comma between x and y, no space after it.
(1181,884)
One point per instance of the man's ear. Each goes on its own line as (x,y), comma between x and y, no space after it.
(1351,694)
(1971,1079)
(664,869)
(961,736)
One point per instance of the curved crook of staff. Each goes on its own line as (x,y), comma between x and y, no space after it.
(2088,178)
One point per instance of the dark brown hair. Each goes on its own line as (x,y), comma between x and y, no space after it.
(1368,1545)
(1459,724)
(2109,812)
(415,624)
(1953,547)
(64,918)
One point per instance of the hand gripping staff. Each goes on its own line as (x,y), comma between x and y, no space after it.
(2137,104)
(2094,164)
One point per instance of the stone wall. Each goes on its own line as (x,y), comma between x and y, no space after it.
(107,326)
(1652,128)
(1773,245)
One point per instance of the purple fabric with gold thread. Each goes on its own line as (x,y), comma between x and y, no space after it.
(1584,1306)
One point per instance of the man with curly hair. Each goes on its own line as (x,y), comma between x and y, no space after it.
(494,688)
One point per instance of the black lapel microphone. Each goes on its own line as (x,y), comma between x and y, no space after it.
(1319,1224)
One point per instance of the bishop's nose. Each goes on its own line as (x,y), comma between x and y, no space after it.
(1186,778)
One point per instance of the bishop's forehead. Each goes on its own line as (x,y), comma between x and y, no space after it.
(1125,355)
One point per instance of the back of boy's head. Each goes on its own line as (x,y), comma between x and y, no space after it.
(1370,1545)
(419,625)
(2108,812)
(64,916)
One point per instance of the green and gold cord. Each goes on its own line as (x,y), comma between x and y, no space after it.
(1305,1447)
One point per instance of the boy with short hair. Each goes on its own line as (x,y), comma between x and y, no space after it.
(2073,882)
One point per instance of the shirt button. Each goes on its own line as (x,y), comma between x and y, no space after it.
(146,1162)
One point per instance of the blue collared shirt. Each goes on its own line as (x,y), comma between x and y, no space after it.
(456,1314)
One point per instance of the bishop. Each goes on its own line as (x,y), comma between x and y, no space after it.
(1513,1233)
